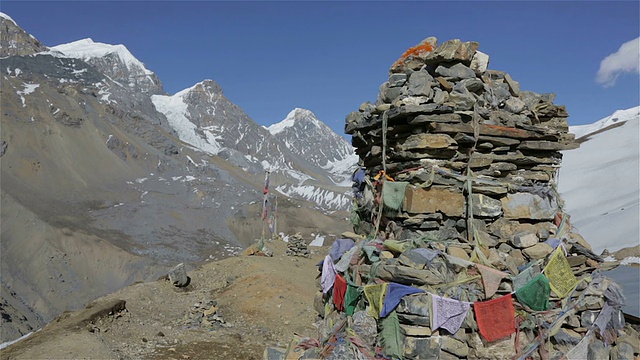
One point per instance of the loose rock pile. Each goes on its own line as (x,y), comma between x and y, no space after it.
(297,247)
(204,315)
(469,252)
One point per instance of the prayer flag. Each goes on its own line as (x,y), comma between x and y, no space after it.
(351,299)
(496,318)
(393,194)
(535,294)
(447,313)
(490,279)
(560,275)
(375,296)
(339,290)
(395,293)
(328,274)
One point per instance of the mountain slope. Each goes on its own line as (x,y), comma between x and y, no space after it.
(599,181)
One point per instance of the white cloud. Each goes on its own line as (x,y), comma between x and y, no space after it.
(625,60)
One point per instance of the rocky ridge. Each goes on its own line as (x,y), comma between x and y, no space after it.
(469,252)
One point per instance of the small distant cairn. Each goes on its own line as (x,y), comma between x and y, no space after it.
(297,247)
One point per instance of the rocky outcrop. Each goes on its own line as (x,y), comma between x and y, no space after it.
(14,41)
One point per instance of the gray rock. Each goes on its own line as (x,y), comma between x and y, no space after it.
(439,96)
(484,206)
(178,276)
(528,206)
(422,348)
(396,80)
(567,337)
(417,304)
(597,350)
(456,72)
(453,346)
(420,84)
(461,97)
(622,351)
(514,105)
(274,353)
(524,240)
(453,50)
(480,62)
(538,251)
(514,86)
(474,85)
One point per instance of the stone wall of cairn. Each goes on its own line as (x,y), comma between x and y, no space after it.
(456,200)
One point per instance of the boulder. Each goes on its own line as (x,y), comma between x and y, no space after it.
(178,276)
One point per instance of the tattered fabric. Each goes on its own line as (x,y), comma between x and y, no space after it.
(375,296)
(393,194)
(448,314)
(339,247)
(343,264)
(395,292)
(561,277)
(535,294)
(429,255)
(525,276)
(339,290)
(490,279)
(580,351)
(496,318)
(328,274)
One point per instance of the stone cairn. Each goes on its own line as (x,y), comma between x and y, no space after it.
(465,250)
(297,247)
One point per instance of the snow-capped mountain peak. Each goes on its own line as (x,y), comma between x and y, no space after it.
(87,49)
(115,61)
(295,116)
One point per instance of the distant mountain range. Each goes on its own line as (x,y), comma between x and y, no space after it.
(107,179)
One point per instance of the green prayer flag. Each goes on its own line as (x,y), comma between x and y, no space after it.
(351,298)
(535,294)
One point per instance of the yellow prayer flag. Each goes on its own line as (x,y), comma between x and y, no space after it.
(375,296)
(561,277)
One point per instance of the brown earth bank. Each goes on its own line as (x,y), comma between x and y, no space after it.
(232,309)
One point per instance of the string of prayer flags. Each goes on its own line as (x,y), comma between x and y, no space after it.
(496,318)
(558,271)
(490,279)
(351,297)
(375,296)
(328,274)
(535,294)
(339,291)
(525,276)
(395,292)
(448,314)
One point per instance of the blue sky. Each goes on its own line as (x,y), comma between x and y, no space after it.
(329,57)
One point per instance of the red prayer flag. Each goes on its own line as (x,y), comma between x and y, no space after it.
(496,318)
(339,289)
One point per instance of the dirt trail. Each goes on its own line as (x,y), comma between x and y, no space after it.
(256,302)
